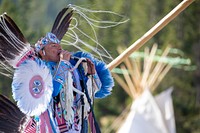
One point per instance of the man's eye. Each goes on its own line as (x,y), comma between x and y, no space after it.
(53,45)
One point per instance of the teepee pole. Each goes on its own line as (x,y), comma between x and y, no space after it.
(147,69)
(148,35)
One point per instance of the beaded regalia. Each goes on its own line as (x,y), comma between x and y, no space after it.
(50,96)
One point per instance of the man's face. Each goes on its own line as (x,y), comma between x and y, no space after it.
(52,52)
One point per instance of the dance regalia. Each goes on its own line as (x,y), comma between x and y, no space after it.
(55,97)
(62,115)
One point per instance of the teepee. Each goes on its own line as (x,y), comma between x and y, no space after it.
(140,78)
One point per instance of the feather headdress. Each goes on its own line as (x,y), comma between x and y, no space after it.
(13,44)
(61,23)
(14,48)
(60,27)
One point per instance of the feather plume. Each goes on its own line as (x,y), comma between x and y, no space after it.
(12,42)
(62,22)
(58,18)
(16,31)
(11,118)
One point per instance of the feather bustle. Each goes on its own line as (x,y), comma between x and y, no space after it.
(17,32)
(12,41)
(10,116)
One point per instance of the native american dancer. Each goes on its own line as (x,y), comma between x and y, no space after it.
(54,89)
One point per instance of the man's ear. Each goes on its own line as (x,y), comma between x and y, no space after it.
(42,54)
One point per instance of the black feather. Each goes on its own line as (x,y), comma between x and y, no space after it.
(63,27)
(11,118)
(9,47)
(58,18)
(16,30)
(61,23)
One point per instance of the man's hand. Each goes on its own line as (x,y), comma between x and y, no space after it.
(65,55)
(90,67)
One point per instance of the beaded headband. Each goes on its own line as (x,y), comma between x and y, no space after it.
(49,38)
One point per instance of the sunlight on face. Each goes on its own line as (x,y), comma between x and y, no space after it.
(52,52)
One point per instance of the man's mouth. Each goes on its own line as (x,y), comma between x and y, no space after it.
(59,52)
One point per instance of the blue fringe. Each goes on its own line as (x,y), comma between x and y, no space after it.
(103,73)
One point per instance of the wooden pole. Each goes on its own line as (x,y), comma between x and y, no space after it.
(148,35)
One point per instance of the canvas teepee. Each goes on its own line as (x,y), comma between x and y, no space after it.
(141,77)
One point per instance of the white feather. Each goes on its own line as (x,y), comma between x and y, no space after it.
(20,87)
(69,98)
